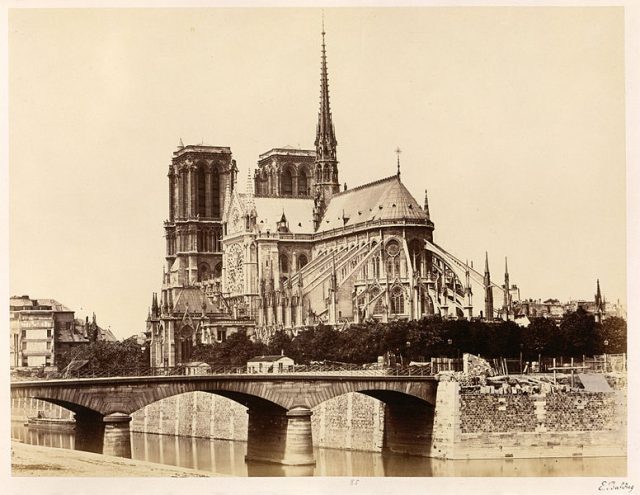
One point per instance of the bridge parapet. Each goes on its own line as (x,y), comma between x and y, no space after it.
(311,370)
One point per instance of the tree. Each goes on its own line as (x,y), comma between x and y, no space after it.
(540,337)
(104,356)
(579,334)
(614,331)
(236,350)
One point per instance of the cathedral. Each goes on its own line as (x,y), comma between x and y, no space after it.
(295,249)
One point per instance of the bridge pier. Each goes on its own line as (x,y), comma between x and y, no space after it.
(281,437)
(117,436)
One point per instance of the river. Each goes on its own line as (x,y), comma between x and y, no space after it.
(227,457)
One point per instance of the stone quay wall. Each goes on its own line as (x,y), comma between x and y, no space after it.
(553,424)
(352,421)
(21,409)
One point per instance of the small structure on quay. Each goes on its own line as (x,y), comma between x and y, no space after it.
(270,364)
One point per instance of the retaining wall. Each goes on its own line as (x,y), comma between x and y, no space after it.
(562,424)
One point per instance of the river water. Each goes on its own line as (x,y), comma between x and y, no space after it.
(227,457)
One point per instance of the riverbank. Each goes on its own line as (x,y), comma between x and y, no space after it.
(32,460)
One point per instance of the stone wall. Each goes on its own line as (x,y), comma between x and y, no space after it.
(351,421)
(560,424)
(23,408)
(194,414)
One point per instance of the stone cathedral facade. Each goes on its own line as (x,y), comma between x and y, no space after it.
(294,250)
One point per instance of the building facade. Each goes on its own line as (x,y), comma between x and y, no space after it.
(43,329)
(294,250)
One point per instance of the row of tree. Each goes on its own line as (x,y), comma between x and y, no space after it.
(576,335)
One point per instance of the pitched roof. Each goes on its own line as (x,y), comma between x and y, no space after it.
(55,305)
(384,199)
(190,299)
(298,211)
(267,358)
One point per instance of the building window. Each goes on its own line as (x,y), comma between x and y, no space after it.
(284,263)
(215,193)
(221,335)
(302,261)
(201,191)
(303,189)
(287,183)
(203,272)
(49,333)
(397,301)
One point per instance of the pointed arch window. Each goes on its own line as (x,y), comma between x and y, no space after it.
(201,190)
(215,192)
(204,272)
(302,261)
(287,182)
(397,301)
(284,263)
(303,188)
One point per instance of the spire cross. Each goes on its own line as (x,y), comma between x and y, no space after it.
(398,151)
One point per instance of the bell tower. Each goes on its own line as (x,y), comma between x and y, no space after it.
(198,178)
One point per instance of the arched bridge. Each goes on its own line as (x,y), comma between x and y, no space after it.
(279,407)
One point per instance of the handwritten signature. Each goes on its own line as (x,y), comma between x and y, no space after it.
(615,486)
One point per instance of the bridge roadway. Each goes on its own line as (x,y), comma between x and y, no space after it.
(279,407)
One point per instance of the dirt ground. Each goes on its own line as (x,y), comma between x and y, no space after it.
(32,460)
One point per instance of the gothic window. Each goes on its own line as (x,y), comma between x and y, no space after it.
(378,307)
(204,272)
(397,301)
(390,267)
(201,190)
(376,266)
(217,271)
(393,247)
(185,192)
(284,263)
(217,240)
(215,192)
(303,188)
(327,175)
(302,261)
(185,343)
(287,183)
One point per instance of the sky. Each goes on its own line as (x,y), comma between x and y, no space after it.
(513,118)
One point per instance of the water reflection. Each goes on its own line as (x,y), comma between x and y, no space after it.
(227,457)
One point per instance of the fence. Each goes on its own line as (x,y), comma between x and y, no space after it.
(605,363)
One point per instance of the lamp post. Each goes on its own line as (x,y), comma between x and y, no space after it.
(606,344)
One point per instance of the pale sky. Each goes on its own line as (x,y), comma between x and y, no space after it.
(512,118)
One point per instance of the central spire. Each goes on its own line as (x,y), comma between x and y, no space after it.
(325,135)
